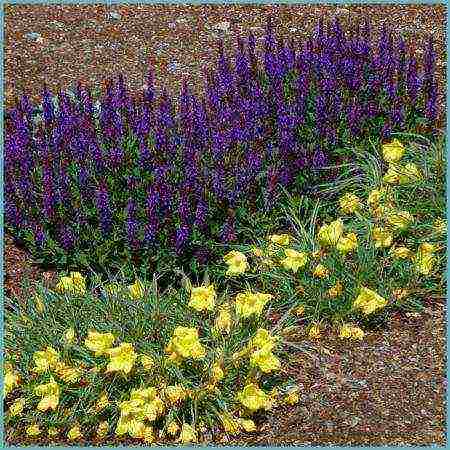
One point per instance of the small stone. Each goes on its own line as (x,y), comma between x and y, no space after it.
(33,36)
(222,26)
(354,420)
(114,15)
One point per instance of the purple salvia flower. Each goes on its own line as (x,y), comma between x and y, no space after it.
(412,80)
(319,159)
(386,131)
(132,225)
(431,111)
(48,188)
(201,213)
(181,238)
(228,232)
(103,208)
(66,237)
(116,157)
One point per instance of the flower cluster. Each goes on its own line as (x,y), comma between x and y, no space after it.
(87,365)
(370,235)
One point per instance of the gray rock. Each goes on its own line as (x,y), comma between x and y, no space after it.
(222,26)
(114,15)
(33,36)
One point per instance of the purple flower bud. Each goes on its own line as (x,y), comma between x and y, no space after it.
(103,208)
(181,238)
(66,237)
(319,159)
(228,233)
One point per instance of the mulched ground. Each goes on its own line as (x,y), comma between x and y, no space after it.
(388,389)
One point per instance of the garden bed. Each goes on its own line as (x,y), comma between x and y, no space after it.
(332,390)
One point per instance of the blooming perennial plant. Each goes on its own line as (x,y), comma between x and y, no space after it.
(153,174)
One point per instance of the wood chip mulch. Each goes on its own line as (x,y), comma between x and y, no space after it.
(388,389)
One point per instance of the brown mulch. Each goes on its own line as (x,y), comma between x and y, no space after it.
(388,389)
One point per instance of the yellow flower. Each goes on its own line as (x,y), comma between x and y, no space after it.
(112,288)
(393,151)
(280,239)
(11,380)
(74,284)
(188,434)
(74,433)
(347,243)
(33,430)
(392,176)
(265,360)
(223,320)
(294,260)
(147,362)
(45,360)
(248,425)
(425,247)
(424,263)
(217,372)
(136,290)
(102,429)
(321,271)
(382,237)
(69,336)
(336,290)
(292,398)
(409,174)
(440,226)
(99,343)
(148,435)
(400,221)
(424,259)
(175,393)
(236,261)
(374,197)
(53,432)
(349,203)
(369,301)
(122,358)
(185,343)
(263,339)
(230,424)
(17,407)
(314,332)
(351,332)
(202,298)
(102,402)
(249,303)
(401,252)
(39,303)
(68,374)
(173,428)
(252,397)
(329,234)
(65,284)
(50,395)
(299,311)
